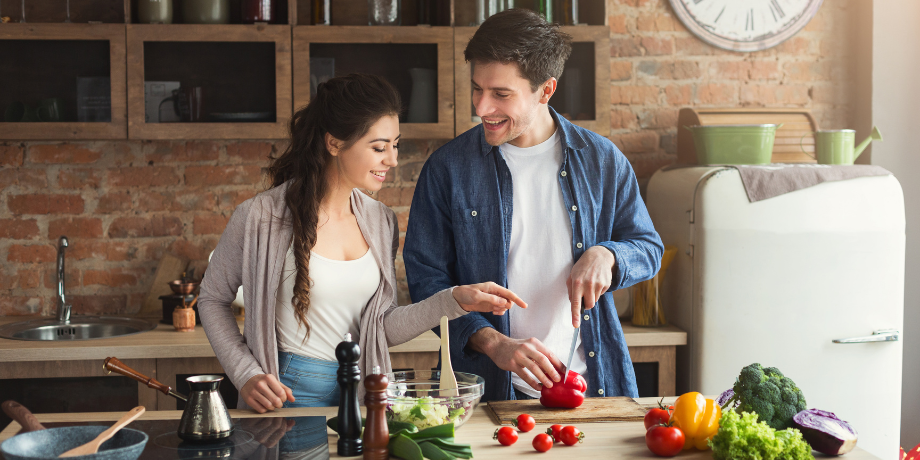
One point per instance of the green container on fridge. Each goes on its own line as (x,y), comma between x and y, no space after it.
(733,144)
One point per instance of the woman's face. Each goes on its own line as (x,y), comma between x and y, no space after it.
(365,163)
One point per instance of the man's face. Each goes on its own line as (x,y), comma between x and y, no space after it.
(504,101)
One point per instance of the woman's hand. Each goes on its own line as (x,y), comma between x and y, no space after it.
(263,392)
(486,298)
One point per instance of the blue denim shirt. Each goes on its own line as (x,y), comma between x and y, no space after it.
(460,231)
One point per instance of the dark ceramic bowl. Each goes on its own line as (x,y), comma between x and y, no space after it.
(48,444)
(178,287)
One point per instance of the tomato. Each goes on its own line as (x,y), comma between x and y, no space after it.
(525,422)
(664,440)
(661,414)
(543,442)
(555,432)
(506,435)
(571,435)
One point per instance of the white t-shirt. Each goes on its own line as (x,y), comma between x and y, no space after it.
(540,257)
(339,291)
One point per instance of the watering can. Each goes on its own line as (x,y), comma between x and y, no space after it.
(835,146)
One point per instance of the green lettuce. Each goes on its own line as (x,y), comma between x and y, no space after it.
(742,437)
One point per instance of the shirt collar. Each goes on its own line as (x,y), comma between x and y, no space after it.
(571,138)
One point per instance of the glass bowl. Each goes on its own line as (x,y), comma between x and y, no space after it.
(415,397)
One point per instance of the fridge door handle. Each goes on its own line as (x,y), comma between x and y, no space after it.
(881,335)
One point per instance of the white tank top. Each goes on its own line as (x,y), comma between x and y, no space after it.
(340,289)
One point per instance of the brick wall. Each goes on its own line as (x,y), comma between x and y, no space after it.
(123,204)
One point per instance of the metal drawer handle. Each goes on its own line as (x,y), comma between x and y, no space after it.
(881,335)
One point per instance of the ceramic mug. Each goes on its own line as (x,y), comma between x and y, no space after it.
(154,11)
(206,11)
(188,102)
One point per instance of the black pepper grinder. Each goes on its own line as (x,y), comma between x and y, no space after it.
(347,353)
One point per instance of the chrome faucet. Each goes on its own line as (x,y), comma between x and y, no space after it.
(63,313)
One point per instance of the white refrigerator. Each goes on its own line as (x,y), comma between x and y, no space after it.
(778,281)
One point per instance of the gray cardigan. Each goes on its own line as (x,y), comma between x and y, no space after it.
(251,253)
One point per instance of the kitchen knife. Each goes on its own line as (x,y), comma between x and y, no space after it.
(568,364)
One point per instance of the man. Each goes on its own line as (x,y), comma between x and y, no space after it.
(532,202)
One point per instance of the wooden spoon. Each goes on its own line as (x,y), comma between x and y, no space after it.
(448,383)
(93,446)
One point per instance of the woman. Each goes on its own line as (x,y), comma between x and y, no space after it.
(316,255)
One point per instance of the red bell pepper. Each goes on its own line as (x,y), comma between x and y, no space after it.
(569,393)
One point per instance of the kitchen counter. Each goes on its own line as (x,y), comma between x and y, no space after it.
(602,440)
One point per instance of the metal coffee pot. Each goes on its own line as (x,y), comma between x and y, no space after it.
(205,417)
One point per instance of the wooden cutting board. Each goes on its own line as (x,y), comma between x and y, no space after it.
(615,409)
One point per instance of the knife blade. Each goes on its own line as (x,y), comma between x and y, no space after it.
(568,364)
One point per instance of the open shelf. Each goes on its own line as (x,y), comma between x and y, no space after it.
(244,71)
(354,12)
(389,52)
(44,61)
(81,11)
(590,56)
(590,12)
(283,11)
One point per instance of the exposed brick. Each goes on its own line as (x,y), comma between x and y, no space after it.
(79,178)
(680,70)
(122,153)
(402,219)
(31,254)
(716,94)
(224,175)
(11,155)
(808,71)
(61,153)
(117,277)
(634,3)
(75,227)
(18,229)
(190,151)
(617,23)
(396,196)
(111,304)
(249,152)
(657,46)
(45,204)
(766,95)
(665,118)
(638,95)
(764,70)
(72,280)
(679,94)
(210,224)
(114,202)
(20,305)
(408,172)
(692,46)
(746,70)
(655,22)
(640,142)
(143,176)
(233,198)
(620,70)
(795,46)
(625,47)
(623,119)
(26,179)
(133,227)
(199,249)
(115,251)
(22,279)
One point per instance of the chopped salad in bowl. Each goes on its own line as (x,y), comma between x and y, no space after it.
(415,397)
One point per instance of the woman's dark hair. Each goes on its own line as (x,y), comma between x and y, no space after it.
(522,37)
(345,107)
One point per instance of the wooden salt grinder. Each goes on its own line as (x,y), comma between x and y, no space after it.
(376,433)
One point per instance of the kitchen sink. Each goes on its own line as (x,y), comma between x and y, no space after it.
(78,328)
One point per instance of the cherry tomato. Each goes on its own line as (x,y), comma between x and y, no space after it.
(506,435)
(543,442)
(555,432)
(525,422)
(571,435)
(664,440)
(661,414)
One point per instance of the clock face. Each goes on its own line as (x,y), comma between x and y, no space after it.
(745,25)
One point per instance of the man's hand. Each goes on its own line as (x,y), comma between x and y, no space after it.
(516,355)
(487,298)
(263,392)
(590,278)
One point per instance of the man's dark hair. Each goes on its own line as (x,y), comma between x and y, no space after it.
(522,37)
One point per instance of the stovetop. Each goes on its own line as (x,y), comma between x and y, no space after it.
(294,438)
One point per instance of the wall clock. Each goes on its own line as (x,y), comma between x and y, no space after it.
(745,25)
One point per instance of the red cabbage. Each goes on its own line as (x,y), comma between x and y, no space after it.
(825,432)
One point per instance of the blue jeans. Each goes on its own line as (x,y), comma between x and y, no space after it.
(312,380)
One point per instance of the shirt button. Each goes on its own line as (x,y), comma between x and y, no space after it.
(601,391)
(591,354)
(578,245)
(562,173)
(574,208)
(587,317)
(473,213)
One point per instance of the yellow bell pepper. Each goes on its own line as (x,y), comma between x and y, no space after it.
(698,418)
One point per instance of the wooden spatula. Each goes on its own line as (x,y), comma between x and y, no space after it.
(93,446)
(448,384)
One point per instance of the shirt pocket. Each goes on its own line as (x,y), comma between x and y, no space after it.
(477,233)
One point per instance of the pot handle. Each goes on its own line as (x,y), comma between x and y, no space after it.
(802,146)
(21,415)
(113,364)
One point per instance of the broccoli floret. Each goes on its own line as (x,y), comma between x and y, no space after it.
(774,397)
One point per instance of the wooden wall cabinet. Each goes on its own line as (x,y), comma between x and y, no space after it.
(45,62)
(384,51)
(211,56)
